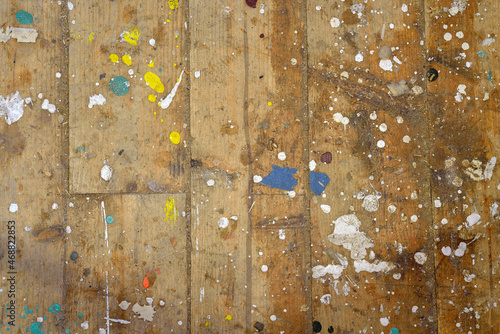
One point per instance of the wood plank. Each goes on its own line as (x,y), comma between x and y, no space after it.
(33,161)
(464,122)
(129,133)
(379,190)
(127,264)
(220,281)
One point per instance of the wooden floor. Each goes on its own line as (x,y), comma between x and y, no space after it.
(306,166)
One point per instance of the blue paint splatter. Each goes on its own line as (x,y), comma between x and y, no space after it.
(481,53)
(318,182)
(24,17)
(394,330)
(281,178)
(36,327)
(55,308)
(119,85)
(109,219)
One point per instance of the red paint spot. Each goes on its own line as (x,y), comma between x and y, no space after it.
(252,3)
(261,35)
(145,282)
(326,158)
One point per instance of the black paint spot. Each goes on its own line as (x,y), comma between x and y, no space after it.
(432,74)
(252,3)
(121,151)
(73,256)
(261,76)
(259,326)
(102,76)
(330,329)
(326,158)
(261,35)
(317,327)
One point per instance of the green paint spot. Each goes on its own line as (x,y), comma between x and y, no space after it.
(24,17)
(109,219)
(119,85)
(55,308)
(481,53)
(36,327)
(394,330)
(80,315)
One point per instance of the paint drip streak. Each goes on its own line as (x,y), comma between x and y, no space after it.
(248,310)
(103,215)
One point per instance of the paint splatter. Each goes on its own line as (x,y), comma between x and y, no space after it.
(151,98)
(394,330)
(24,17)
(145,282)
(90,38)
(165,103)
(154,82)
(281,178)
(114,58)
(127,59)
(96,100)
(317,326)
(36,328)
(23,35)
(173,4)
(145,312)
(131,36)
(175,137)
(55,308)
(318,182)
(170,211)
(119,85)
(11,107)
(326,157)
(252,3)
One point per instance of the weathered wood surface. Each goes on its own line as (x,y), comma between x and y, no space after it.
(311,190)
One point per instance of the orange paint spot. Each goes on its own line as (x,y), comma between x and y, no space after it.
(145,282)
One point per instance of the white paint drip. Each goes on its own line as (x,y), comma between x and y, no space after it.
(325,299)
(488,169)
(120,321)
(96,100)
(332,269)
(281,233)
(103,215)
(165,103)
(11,107)
(377,266)
(202,294)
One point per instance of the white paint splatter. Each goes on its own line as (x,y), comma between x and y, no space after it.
(165,103)
(447,36)
(152,42)
(23,35)
(223,222)
(385,64)
(473,219)
(377,266)
(339,118)
(404,8)
(85,325)
(46,105)
(326,208)
(347,234)
(460,251)
(370,203)
(282,156)
(334,22)
(70,5)
(13,207)
(68,229)
(197,74)
(264,268)
(446,250)
(281,234)
(384,321)
(358,57)
(325,299)
(210,182)
(11,107)
(257,178)
(312,165)
(488,169)
(106,172)
(96,100)
(124,305)
(420,257)
(332,269)
(145,312)
(120,321)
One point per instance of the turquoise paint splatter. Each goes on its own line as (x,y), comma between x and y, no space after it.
(281,178)
(36,327)
(119,85)
(81,148)
(80,315)
(318,182)
(490,77)
(481,53)
(55,308)
(24,17)
(109,219)
(67,330)
(394,330)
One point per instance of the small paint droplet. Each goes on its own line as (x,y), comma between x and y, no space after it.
(55,308)
(24,17)
(317,327)
(432,74)
(272,317)
(151,63)
(269,103)
(465,46)
(127,59)
(13,207)
(74,256)
(228,317)
(257,178)
(383,127)
(109,219)
(318,182)
(282,156)
(119,85)
(154,82)
(152,42)
(223,222)
(251,3)
(145,282)
(173,4)
(151,97)
(114,58)
(381,143)
(175,137)
(326,158)
(210,182)
(334,22)
(325,208)
(80,315)
(448,36)
(394,330)
(131,36)
(264,268)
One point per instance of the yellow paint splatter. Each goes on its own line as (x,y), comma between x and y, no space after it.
(269,103)
(154,82)
(127,59)
(170,211)
(207,323)
(228,317)
(151,97)
(151,63)
(173,4)
(114,58)
(131,36)
(90,38)
(175,137)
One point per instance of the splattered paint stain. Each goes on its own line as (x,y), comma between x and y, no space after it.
(55,308)
(127,59)
(173,4)
(251,3)
(154,82)
(119,85)
(36,327)
(318,182)
(281,178)
(114,58)
(175,137)
(170,211)
(131,36)
(24,17)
